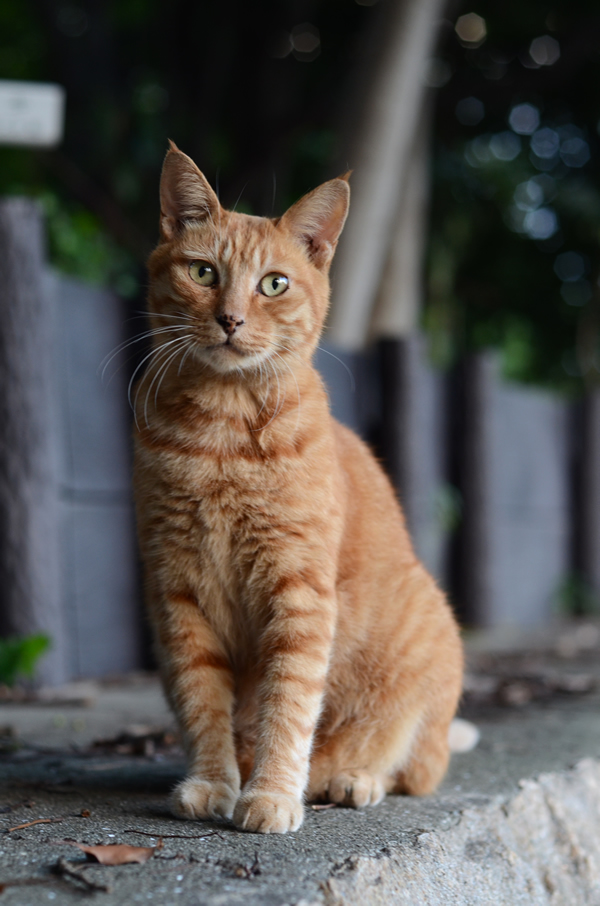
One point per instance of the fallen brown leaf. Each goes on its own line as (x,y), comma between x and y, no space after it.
(118,853)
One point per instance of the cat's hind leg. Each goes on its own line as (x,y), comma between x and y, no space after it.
(354,767)
(402,750)
(427,762)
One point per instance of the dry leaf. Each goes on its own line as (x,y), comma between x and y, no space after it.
(118,853)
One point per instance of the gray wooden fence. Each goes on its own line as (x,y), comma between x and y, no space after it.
(68,563)
(500,483)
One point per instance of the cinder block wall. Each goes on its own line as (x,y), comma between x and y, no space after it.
(68,564)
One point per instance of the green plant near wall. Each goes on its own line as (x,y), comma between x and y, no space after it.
(19,656)
(576,597)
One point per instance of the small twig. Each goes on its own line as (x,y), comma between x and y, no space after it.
(318,807)
(67,870)
(9,830)
(255,868)
(214,833)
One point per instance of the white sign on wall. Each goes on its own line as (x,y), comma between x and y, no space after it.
(31,113)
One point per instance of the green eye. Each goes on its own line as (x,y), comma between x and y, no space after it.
(274,284)
(203,273)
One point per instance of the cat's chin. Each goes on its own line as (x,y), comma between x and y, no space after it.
(225,359)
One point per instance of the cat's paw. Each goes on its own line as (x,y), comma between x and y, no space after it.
(355,789)
(197,798)
(268,813)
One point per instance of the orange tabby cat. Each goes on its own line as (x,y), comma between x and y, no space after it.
(303,647)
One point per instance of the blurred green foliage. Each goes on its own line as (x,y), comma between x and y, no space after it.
(513,258)
(19,656)
(263,95)
(576,597)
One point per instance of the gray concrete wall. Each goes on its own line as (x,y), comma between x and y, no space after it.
(98,549)
(68,564)
(30,586)
(517,490)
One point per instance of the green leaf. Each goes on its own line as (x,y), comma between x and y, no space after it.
(19,656)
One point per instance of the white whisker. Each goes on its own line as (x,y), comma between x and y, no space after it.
(162,371)
(278,407)
(190,347)
(343,364)
(152,353)
(126,343)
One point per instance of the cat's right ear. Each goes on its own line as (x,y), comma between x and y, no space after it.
(318,219)
(185,194)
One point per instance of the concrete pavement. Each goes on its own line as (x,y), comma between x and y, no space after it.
(517,820)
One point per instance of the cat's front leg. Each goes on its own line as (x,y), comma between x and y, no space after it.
(296,648)
(199,683)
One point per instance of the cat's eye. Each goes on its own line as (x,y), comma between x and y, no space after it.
(274,284)
(203,272)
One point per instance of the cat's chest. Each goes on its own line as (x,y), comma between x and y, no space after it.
(235,505)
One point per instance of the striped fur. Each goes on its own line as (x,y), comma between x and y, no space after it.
(303,647)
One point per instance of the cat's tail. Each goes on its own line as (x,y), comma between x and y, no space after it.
(462,735)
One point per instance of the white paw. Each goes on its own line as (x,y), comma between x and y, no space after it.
(196,798)
(268,813)
(355,789)
(462,735)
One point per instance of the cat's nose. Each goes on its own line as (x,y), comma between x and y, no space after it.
(229,323)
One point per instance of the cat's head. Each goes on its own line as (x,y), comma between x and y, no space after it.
(244,288)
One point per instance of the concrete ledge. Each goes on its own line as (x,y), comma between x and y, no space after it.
(517,820)
(539,847)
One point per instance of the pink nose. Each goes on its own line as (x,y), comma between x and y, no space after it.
(229,323)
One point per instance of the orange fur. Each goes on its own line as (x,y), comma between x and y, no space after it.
(303,647)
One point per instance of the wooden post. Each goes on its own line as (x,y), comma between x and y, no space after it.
(385,139)
(475,457)
(413,442)
(30,593)
(588,556)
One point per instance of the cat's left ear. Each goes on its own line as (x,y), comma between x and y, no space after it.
(185,193)
(318,218)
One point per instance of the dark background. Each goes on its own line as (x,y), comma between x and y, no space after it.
(265,97)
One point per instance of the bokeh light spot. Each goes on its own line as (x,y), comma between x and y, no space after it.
(470,111)
(524,119)
(528,195)
(306,42)
(545,143)
(569,266)
(541,223)
(505,145)
(471,29)
(575,152)
(544,51)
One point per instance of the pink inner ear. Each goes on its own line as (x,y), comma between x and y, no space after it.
(185,193)
(318,218)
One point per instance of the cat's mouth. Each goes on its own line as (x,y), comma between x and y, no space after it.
(226,346)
